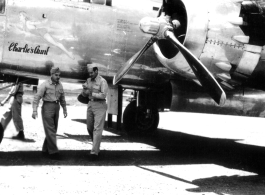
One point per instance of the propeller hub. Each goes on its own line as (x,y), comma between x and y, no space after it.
(155,26)
(149,25)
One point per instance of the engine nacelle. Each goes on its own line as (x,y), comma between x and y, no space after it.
(211,36)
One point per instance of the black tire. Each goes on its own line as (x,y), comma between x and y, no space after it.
(109,2)
(35,89)
(135,121)
(129,117)
(1,133)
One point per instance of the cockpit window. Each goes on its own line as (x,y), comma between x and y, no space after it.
(2,6)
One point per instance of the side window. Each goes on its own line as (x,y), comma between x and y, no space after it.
(2,6)
(101,2)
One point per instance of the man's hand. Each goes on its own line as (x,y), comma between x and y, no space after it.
(13,90)
(86,93)
(84,86)
(65,113)
(35,114)
(89,93)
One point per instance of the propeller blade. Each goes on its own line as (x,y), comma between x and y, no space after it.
(127,66)
(204,76)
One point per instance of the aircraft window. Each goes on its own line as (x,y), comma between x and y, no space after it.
(2,6)
(101,2)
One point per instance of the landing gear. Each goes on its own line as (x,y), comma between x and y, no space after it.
(140,119)
(34,89)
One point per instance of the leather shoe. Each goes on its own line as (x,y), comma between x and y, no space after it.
(19,136)
(93,157)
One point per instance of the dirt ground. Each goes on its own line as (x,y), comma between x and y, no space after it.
(180,158)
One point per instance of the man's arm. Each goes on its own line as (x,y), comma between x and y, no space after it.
(38,96)
(85,92)
(63,102)
(103,91)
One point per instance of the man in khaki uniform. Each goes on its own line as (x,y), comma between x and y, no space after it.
(96,89)
(52,93)
(13,111)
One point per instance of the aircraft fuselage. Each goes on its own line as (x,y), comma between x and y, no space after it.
(36,35)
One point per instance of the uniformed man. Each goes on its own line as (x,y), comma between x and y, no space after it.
(13,110)
(96,89)
(52,93)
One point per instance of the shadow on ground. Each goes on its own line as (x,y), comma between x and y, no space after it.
(191,149)
(235,185)
(26,140)
(173,148)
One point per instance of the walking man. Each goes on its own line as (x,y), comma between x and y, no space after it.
(96,89)
(13,111)
(52,93)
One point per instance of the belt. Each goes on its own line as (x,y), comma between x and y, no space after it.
(53,102)
(97,100)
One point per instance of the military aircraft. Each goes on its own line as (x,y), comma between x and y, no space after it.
(183,55)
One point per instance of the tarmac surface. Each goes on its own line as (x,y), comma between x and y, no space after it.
(189,154)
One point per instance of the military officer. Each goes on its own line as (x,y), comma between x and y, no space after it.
(52,93)
(96,89)
(13,110)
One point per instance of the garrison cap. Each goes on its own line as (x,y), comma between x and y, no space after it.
(91,66)
(55,70)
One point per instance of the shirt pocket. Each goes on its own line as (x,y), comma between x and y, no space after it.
(50,91)
(59,93)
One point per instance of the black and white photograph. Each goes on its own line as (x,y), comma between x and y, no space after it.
(132,97)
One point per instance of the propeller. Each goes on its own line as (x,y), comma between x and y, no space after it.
(203,75)
(127,66)
(161,29)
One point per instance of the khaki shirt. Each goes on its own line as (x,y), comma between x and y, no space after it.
(49,92)
(98,87)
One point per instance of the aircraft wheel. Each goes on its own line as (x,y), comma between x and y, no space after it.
(137,120)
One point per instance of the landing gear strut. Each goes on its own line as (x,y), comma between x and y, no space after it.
(140,119)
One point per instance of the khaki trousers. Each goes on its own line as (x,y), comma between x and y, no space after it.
(13,110)
(50,118)
(96,114)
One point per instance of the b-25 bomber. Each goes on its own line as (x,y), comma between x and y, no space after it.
(196,56)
